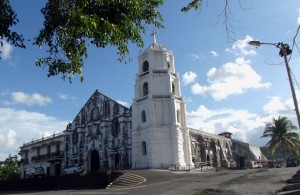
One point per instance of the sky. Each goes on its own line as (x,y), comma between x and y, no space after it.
(227,85)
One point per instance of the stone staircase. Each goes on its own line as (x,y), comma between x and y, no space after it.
(127,180)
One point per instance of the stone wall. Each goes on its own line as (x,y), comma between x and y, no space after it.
(219,151)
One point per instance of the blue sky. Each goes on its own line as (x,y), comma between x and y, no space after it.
(227,85)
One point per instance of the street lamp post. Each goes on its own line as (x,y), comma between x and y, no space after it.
(284,52)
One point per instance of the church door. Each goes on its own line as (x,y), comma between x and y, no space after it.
(117,161)
(242,162)
(95,161)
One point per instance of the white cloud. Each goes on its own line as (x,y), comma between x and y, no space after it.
(197,89)
(123,103)
(23,98)
(6,50)
(245,126)
(189,77)
(214,53)
(7,139)
(19,126)
(241,47)
(230,79)
(63,96)
(197,56)
(66,97)
(276,106)
(298,19)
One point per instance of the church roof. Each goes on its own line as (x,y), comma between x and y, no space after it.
(155,47)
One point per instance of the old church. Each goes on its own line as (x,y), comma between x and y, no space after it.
(152,133)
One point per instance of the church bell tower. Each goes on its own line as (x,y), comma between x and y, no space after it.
(160,138)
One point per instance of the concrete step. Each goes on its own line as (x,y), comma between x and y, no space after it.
(128,179)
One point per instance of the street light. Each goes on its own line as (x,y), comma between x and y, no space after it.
(284,52)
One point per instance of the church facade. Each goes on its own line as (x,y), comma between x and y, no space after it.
(152,133)
(100,135)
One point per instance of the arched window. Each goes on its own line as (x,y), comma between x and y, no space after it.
(145,66)
(115,127)
(145,89)
(95,114)
(106,109)
(173,88)
(144,148)
(83,116)
(143,115)
(75,137)
(178,116)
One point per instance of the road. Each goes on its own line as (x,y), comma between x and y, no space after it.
(225,182)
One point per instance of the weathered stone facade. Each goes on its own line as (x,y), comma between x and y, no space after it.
(221,150)
(210,149)
(100,135)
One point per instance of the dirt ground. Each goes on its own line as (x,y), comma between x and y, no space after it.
(259,181)
(225,182)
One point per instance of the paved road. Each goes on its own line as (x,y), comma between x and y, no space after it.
(233,182)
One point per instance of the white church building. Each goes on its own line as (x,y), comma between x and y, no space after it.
(151,134)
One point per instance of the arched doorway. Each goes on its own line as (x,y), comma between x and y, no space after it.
(95,161)
(242,162)
(207,160)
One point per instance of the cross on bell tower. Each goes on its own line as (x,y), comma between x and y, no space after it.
(154,36)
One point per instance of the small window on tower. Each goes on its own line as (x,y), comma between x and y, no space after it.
(144,148)
(178,116)
(143,116)
(169,65)
(145,89)
(145,66)
(173,88)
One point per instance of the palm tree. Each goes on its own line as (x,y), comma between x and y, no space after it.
(282,134)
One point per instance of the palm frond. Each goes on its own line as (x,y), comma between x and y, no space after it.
(281,131)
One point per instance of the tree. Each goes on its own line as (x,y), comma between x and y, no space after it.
(282,134)
(9,168)
(8,18)
(71,25)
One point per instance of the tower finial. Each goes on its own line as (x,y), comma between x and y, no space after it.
(154,36)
